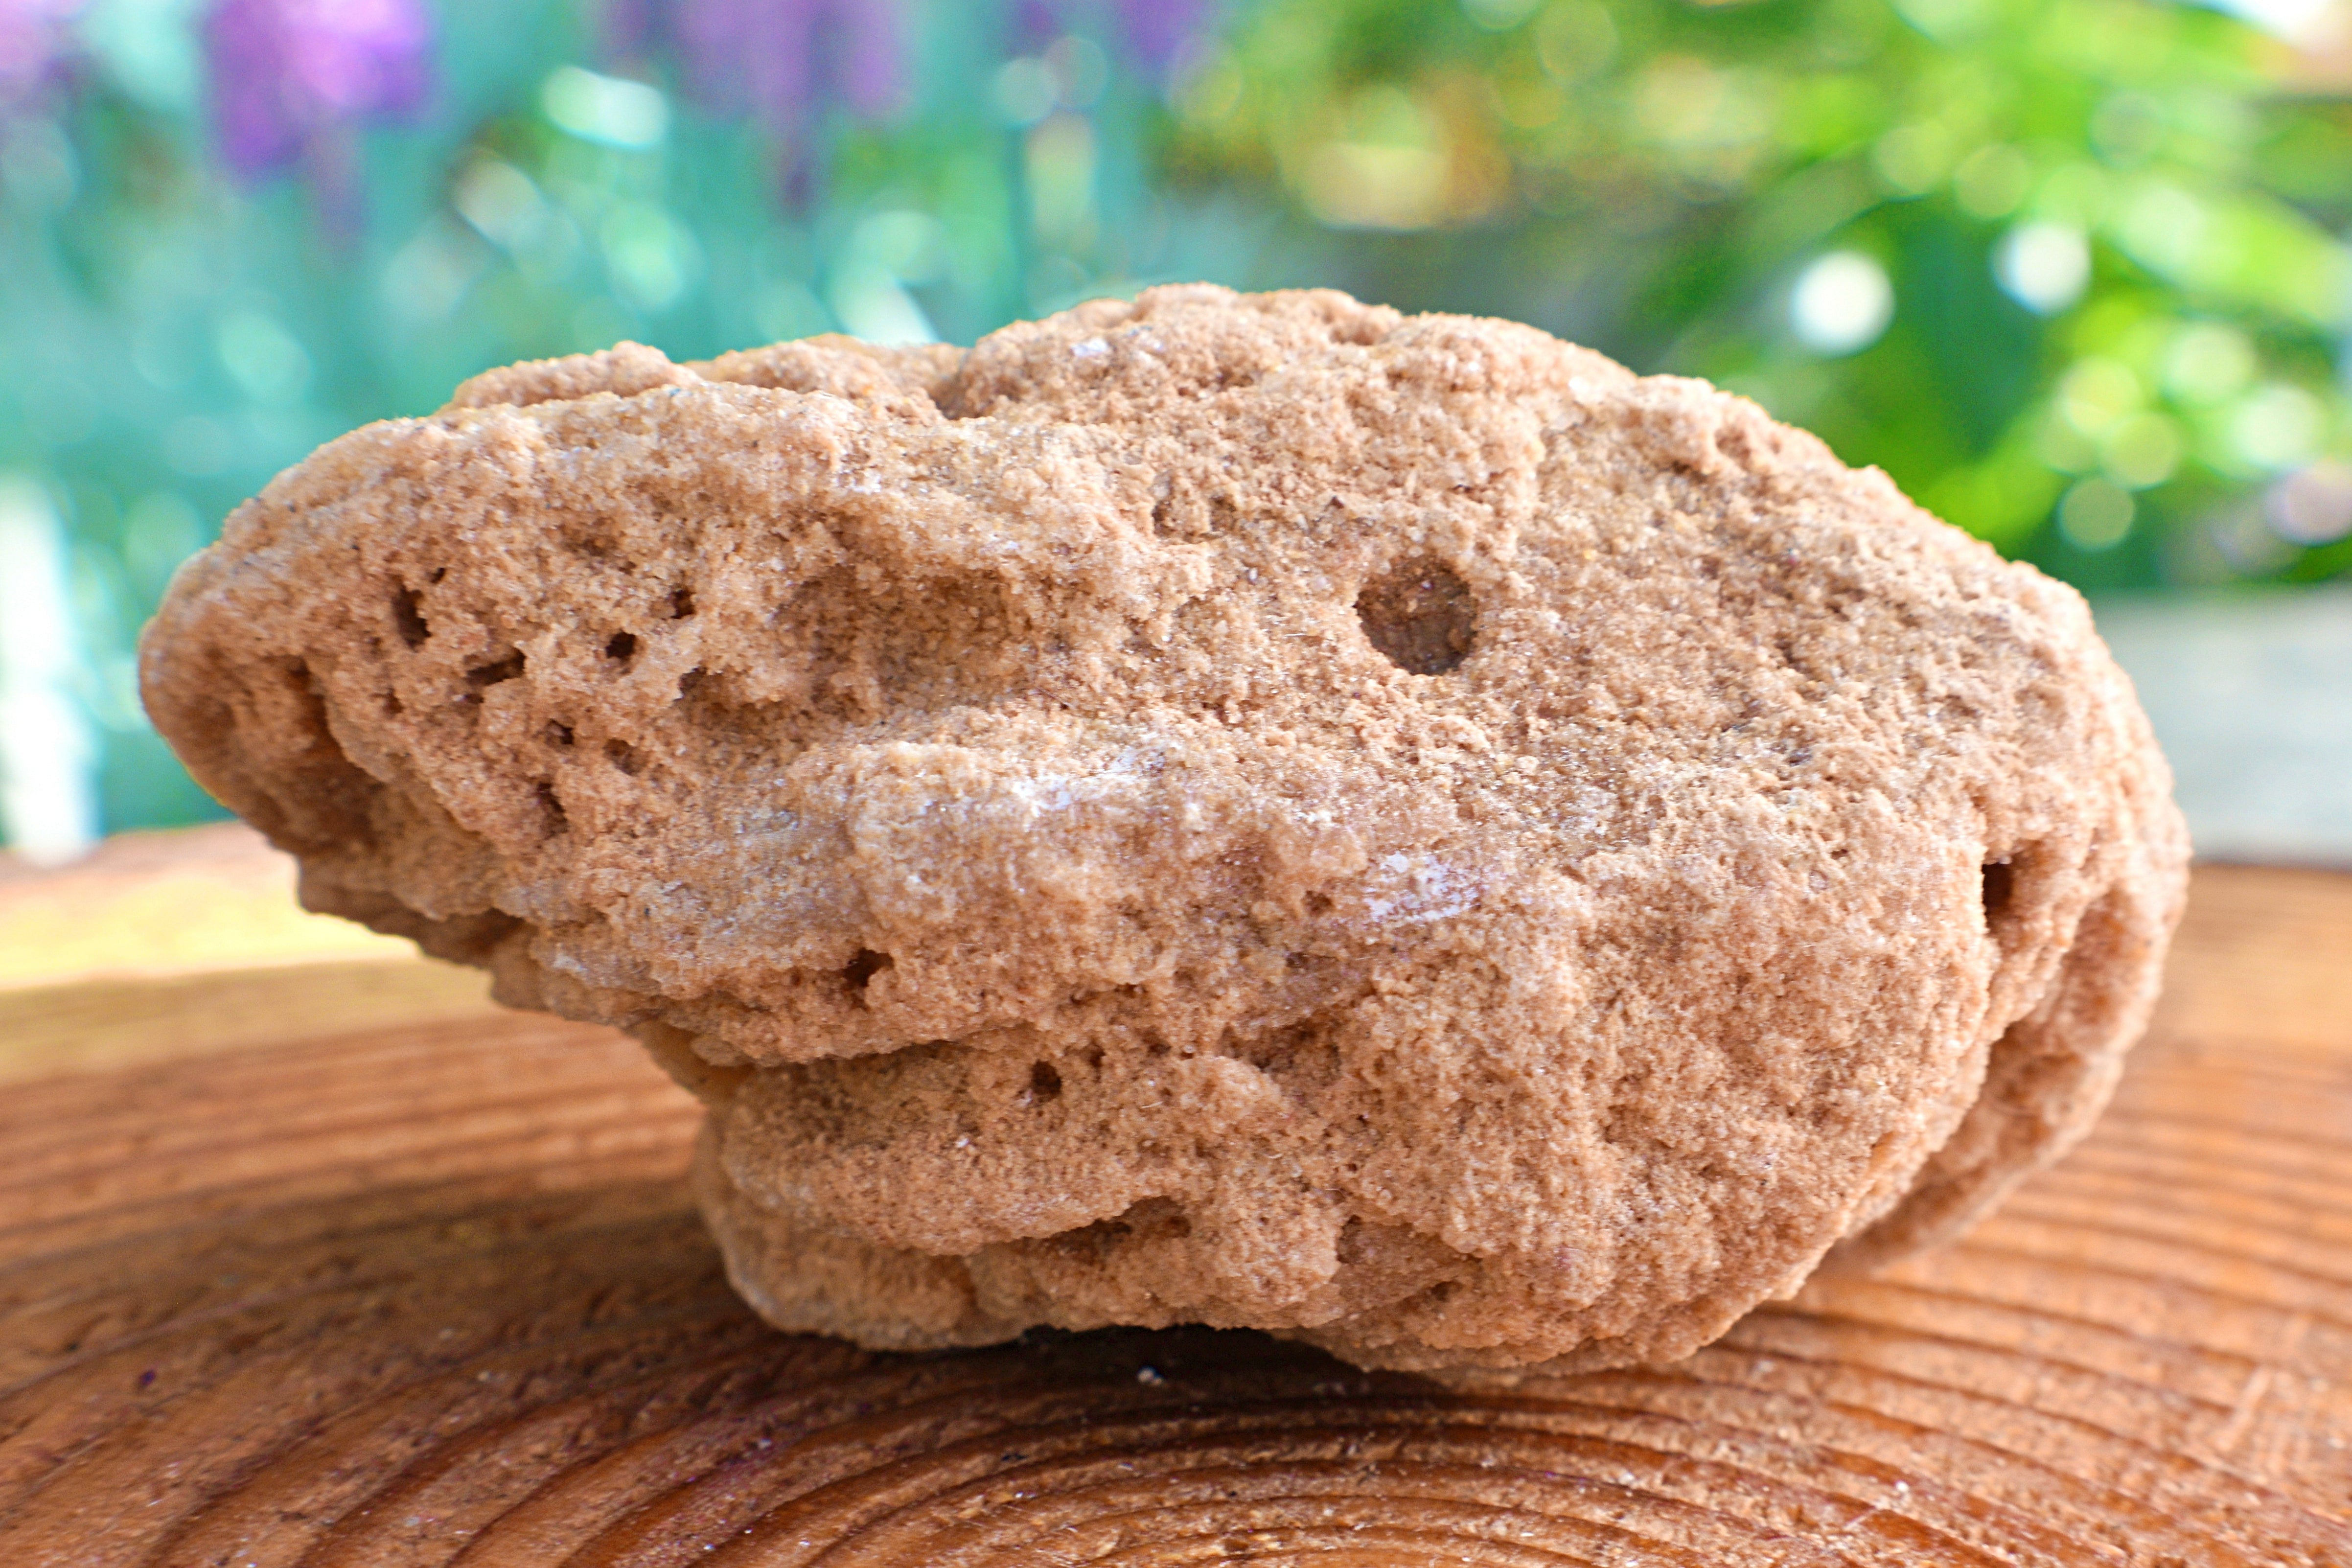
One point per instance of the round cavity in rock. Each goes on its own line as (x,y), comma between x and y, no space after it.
(1420,616)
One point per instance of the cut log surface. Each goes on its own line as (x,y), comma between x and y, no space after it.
(423,1291)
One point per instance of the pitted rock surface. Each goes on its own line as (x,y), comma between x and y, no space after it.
(1248,810)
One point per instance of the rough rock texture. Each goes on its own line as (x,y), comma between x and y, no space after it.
(1256,811)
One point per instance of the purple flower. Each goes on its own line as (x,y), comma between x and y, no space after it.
(292,79)
(780,59)
(32,41)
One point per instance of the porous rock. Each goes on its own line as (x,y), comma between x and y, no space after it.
(1249,810)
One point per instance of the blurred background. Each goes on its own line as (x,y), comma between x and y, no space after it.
(2074,271)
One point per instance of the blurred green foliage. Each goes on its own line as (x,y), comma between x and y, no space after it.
(2103,234)
(2069,269)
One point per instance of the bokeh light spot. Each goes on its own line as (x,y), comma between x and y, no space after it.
(2312,505)
(2141,451)
(1061,165)
(2276,426)
(2095,393)
(1991,181)
(2043,266)
(2059,443)
(2095,515)
(2207,363)
(1911,159)
(654,260)
(1576,40)
(2164,228)
(500,201)
(1024,90)
(609,109)
(1841,303)
(886,252)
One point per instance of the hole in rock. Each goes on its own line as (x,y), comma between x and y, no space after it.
(2000,882)
(2002,912)
(1302,1057)
(622,648)
(551,809)
(1421,614)
(863,967)
(624,756)
(1153,1219)
(493,674)
(1045,1082)
(681,603)
(409,618)
(558,733)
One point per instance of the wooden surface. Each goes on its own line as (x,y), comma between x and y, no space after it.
(431,1291)
(168,944)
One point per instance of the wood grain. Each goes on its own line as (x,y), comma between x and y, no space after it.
(433,1293)
(185,944)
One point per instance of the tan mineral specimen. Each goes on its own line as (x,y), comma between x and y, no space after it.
(1257,811)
